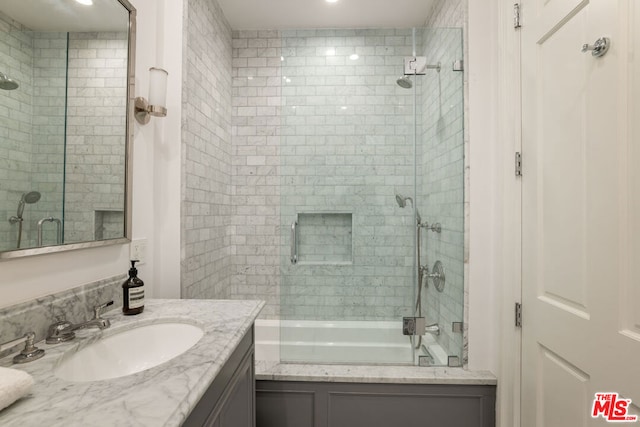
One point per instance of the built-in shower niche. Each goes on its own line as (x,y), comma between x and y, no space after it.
(108,224)
(325,238)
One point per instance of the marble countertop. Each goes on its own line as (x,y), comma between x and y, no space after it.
(371,374)
(161,396)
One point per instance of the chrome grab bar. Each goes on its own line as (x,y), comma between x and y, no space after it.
(59,230)
(294,243)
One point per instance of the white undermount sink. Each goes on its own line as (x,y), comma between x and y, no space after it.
(129,351)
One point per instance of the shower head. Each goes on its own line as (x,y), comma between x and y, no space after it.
(30,197)
(7,83)
(405,82)
(402,201)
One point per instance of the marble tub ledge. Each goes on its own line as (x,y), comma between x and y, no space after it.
(266,370)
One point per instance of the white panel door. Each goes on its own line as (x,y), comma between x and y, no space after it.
(580,210)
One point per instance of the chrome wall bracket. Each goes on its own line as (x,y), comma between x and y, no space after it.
(457,327)
(417,66)
(414,326)
(453,362)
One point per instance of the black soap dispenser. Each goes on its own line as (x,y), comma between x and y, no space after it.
(133,292)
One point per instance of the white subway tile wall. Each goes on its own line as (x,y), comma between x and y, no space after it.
(207,263)
(257,91)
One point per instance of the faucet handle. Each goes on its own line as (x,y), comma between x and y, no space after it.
(60,332)
(30,352)
(97,310)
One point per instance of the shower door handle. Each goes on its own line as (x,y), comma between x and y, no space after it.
(294,242)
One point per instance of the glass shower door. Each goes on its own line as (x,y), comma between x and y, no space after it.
(440,196)
(347,269)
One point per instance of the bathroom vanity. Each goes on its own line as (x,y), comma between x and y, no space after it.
(211,383)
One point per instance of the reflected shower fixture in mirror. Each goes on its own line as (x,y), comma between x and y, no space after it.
(156,105)
(7,83)
(27,198)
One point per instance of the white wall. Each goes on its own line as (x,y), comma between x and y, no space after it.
(485,229)
(164,241)
(155,154)
(494,274)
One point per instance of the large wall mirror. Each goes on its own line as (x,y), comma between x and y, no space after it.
(66,83)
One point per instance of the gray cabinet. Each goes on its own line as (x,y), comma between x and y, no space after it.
(320,404)
(230,399)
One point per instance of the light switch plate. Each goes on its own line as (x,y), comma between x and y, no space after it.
(138,250)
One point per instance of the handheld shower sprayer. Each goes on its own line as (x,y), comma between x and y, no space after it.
(30,198)
(27,198)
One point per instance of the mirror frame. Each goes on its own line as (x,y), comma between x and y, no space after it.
(128,162)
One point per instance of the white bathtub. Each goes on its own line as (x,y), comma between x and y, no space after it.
(307,341)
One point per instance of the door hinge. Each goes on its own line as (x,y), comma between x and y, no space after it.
(518,315)
(516,16)
(518,164)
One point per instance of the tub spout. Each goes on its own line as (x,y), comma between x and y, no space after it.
(433,329)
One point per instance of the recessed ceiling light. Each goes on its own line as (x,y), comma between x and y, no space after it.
(331,1)
(354,56)
(85,2)
(331,51)
(249,77)
(344,107)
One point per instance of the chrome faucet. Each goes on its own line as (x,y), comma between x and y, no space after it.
(63,330)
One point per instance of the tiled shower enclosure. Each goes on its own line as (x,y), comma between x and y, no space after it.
(324,139)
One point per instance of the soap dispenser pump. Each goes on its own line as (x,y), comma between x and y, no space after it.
(133,292)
